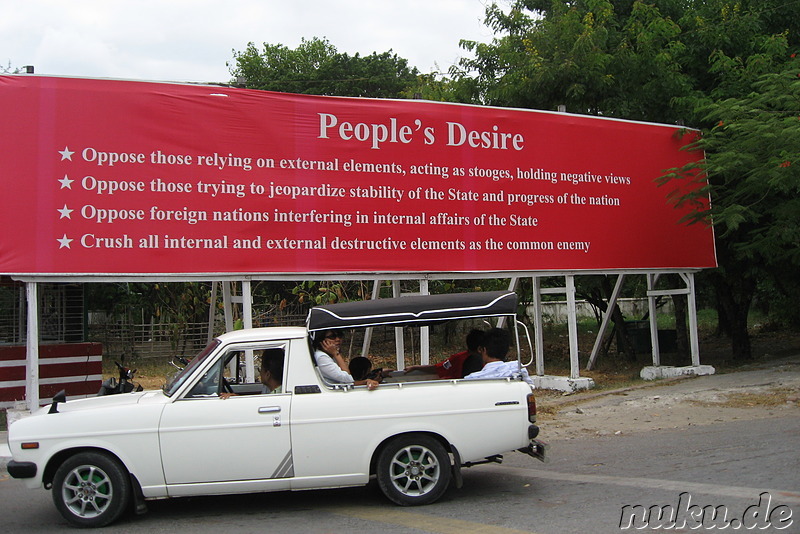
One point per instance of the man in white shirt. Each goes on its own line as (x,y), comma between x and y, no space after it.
(493,350)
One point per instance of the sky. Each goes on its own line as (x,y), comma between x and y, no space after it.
(194,40)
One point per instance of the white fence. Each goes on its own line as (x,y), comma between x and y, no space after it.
(632,309)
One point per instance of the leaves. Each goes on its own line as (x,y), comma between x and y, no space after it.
(316,67)
(750,156)
(725,67)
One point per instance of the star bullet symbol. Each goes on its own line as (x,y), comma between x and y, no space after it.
(66,183)
(66,153)
(65,212)
(64,242)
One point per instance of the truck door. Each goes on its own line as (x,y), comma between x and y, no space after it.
(225,430)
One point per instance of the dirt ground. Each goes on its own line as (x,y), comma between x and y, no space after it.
(762,390)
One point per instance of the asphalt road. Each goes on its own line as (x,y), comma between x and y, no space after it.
(583,488)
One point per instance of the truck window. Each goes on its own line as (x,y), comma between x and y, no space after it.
(229,377)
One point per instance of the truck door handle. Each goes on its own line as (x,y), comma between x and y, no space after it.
(269,409)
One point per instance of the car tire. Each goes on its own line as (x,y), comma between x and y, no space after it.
(413,470)
(91,489)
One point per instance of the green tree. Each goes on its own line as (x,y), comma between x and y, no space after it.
(666,61)
(629,59)
(753,167)
(316,67)
(595,57)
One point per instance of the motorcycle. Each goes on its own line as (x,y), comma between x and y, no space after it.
(124,384)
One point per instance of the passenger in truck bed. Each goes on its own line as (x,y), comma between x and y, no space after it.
(330,362)
(361,369)
(493,350)
(458,365)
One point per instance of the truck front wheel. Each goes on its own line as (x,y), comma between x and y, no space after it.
(413,469)
(91,489)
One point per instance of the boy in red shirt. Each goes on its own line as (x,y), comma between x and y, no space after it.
(458,365)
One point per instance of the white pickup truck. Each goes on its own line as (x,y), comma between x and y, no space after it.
(104,455)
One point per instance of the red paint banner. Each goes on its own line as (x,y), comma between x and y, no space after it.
(125,177)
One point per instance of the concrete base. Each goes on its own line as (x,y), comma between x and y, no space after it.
(562,383)
(652,372)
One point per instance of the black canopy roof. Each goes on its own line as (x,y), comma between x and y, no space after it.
(419,309)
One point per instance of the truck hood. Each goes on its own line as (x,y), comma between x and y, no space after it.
(91,416)
(100,403)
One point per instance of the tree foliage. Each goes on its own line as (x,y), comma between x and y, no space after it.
(753,167)
(725,67)
(316,67)
(643,60)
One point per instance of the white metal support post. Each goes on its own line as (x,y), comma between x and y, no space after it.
(574,381)
(376,290)
(227,309)
(657,370)
(32,347)
(572,322)
(694,342)
(691,304)
(424,332)
(612,302)
(399,342)
(651,305)
(212,312)
(246,301)
(247,320)
(538,334)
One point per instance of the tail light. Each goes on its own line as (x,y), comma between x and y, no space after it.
(531,408)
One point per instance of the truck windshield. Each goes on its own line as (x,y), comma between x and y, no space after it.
(177,381)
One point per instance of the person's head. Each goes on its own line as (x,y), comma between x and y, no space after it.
(272,368)
(474,338)
(333,335)
(360,367)
(495,344)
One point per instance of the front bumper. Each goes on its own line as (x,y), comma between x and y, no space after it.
(21,469)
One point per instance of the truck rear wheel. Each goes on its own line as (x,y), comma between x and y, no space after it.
(91,489)
(413,469)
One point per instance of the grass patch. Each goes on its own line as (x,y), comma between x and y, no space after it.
(763,399)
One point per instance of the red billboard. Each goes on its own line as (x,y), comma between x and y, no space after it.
(125,177)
